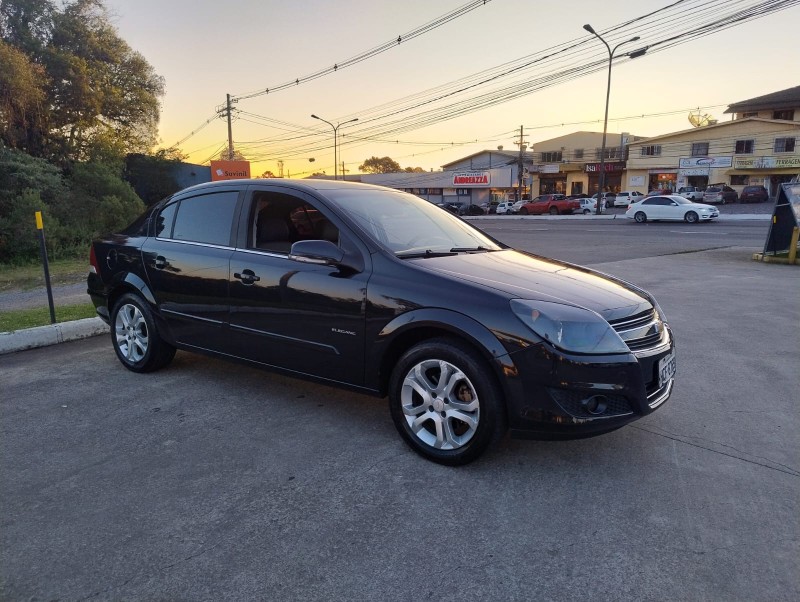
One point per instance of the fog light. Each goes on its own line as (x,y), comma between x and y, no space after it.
(595,405)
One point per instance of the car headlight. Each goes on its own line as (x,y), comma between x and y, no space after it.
(569,328)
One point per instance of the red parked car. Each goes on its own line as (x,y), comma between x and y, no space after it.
(753,194)
(554,204)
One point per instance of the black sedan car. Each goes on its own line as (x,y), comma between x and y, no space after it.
(382,292)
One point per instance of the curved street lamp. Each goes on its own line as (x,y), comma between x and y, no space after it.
(633,55)
(335,129)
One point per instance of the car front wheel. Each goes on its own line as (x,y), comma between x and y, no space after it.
(135,336)
(445,403)
(691,217)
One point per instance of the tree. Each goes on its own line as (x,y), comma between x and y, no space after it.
(237,156)
(99,92)
(382,165)
(414,170)
(268,174)
(22,98)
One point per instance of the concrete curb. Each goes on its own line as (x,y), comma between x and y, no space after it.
(42,336)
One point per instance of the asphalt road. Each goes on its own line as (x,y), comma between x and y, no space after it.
(215,481)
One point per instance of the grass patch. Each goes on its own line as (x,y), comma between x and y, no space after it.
(40,316)
(28,276)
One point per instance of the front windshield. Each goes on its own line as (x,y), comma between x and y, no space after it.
(406,224)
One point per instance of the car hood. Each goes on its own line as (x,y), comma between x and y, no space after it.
(522,275)
(703,206)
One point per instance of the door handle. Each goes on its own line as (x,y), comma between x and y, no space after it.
(246,276)
(160,263)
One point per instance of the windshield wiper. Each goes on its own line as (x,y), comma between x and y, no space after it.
(468,249)
(426,253)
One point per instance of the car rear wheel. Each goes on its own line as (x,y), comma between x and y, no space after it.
(445,403)
(553,211)
(640,217)
(135,336)
(691,217)
(586,212)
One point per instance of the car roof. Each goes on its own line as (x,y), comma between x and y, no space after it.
(307,185)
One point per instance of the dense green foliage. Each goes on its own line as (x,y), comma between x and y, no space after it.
(75,99)
(87,200)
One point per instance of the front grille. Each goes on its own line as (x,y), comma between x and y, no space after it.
(574,403)
(641,331)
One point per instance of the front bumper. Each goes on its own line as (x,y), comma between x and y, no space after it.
(556,395)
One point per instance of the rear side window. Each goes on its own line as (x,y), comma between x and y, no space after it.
(207,218)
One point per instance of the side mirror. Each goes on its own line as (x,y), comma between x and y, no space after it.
(322,252)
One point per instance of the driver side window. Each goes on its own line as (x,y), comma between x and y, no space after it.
(279,220)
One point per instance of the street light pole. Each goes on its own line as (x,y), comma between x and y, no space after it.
(335,156)
(590,29)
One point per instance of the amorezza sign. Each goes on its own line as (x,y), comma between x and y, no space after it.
(471,178)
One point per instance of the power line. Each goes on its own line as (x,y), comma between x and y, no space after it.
(372,52)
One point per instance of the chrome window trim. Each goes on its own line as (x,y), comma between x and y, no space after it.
(196,243)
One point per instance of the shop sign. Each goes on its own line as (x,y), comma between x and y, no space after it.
(595,167)
(766,162)
(706,162)
(549,168)
(229,170)
(698,171)
(471,178)
(658,172)
(636,181)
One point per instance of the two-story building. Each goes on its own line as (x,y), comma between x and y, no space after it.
(758,147)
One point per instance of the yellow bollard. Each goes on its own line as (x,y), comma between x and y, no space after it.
(793,246)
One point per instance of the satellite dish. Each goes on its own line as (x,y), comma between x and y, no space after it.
(698,119)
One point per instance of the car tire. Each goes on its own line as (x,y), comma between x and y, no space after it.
(445,402)
(135,337)
(640,217)
(691,217)
(586,212)
(553,211)
(523,211)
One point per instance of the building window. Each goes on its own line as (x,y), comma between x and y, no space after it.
(740,180)
(579,153)
(612,152)
(744,147)
(750,114)
(552,157)
(699,149)
(463,191)
(787,114)
(651,151)
(784,145)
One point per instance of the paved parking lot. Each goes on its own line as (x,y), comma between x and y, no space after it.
(211,481)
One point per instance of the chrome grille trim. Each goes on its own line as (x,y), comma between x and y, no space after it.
(642,331)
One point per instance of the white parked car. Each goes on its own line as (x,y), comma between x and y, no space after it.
(623,199)
(693,193)
(671,208)
(516,206)
(504,208)
(587,206)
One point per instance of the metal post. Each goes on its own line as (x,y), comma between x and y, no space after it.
(335,156)
(591,30)
(43,252)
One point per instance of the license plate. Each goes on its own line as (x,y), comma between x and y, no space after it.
(666,369)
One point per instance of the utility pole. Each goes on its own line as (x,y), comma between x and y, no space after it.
(230,130)
(280,168)
(520,163)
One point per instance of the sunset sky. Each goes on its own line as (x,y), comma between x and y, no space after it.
(205,50)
